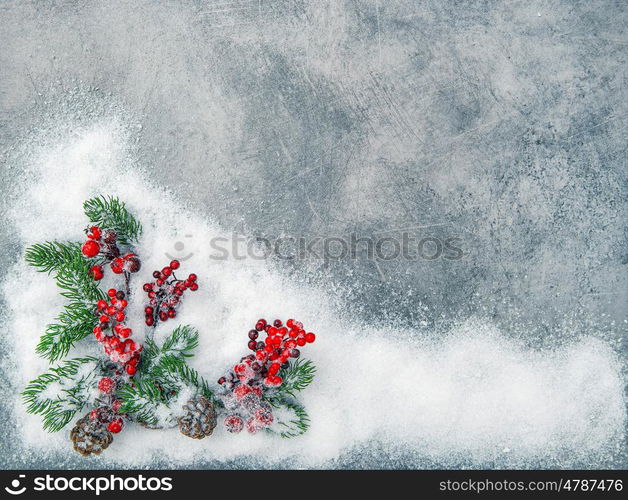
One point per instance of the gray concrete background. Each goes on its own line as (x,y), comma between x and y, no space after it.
(501,123)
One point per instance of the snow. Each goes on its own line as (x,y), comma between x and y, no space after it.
(469,392)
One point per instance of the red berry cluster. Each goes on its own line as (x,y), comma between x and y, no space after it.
(164,294)
(244,385)
(243,398)
(103,243)
(108,411)
(114,335)
(279,346)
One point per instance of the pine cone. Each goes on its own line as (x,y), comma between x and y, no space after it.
(200,418)
(90,437)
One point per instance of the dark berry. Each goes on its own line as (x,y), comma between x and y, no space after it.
(156,274)
(252,345)
(277,323)
(120,295)
(253,334)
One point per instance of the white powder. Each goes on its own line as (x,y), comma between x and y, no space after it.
(469,394)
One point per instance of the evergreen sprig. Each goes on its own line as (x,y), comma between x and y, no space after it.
(296,377)
(293,422)
(75,323)
(144,400)
(180,343)
(111,213)
(75,383)
(70,269)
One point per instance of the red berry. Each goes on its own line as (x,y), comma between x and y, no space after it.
(234,424)
(264,416)
(174,264)
(115,426)
(149,321)
(130,369)
(93,415)
(94,233)
(148,310)
(252,426)
(96,272)
(274,368)
(172,313)
(90,248)
(115,406)
(300,342)
(147,287)
(117,265)
(166,271)
(194,287)
(106,385)
(192,277)
(120,316)
(163,316)
(112,292)
(102,304)
(252,345)
(310,337)
(242,390)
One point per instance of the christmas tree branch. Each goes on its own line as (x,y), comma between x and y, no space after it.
(111,213)
(75,323)
(291,419)
(61,392)
(296,377)
(71,270)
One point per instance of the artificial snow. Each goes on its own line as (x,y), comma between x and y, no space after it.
(469,395)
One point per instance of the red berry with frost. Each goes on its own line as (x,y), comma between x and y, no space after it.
(117,265)
(115,426)
(96,272)
(94,233)
(101,304)
(106,385)
(90,248)
(234,424)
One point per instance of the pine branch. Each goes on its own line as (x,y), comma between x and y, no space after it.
(145,401)
(74,324)
(111,213)
(51,256)
(181,342)
(172,372)
(61,392)
(291,419)
(70,269)
(296,377)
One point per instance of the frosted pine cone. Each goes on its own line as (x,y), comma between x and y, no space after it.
(199,419)
(90,437)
